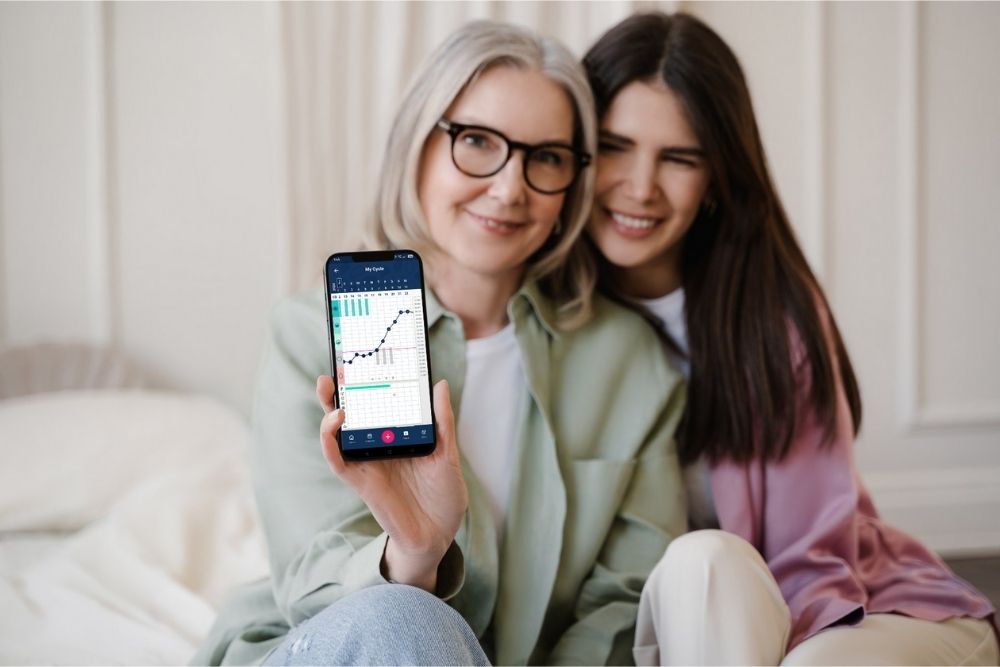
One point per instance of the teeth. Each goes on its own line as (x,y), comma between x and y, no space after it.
(633,223)
(493,224)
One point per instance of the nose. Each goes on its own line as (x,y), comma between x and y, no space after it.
(508,185)
(640,180)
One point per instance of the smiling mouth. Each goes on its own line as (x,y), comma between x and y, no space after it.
(633,223)
(495,224)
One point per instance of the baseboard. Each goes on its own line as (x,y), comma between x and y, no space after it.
(954,511)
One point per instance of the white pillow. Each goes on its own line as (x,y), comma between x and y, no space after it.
(67,456)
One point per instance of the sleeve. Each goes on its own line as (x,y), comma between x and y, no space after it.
(832,556)
(651,514)
(323,543)
(802,512)
(813,550)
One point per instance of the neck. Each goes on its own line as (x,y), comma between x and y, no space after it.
(658,277)
(479,300)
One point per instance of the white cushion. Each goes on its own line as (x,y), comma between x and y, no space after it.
(68,456)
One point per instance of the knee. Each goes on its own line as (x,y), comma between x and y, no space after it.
(391,604)
(387,624)
(704,546)
(701,551)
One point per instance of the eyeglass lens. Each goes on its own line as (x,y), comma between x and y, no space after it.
(547,168)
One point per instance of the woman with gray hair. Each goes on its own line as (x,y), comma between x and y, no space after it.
(527,535)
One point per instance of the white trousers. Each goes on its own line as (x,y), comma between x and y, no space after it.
(712,600)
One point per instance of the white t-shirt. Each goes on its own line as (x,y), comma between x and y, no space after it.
(492,399)
(697,481)
(670,310)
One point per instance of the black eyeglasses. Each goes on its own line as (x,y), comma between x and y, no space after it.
(482,151)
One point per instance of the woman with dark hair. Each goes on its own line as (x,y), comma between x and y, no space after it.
(692,232)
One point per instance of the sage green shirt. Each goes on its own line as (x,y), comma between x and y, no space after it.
(596,491)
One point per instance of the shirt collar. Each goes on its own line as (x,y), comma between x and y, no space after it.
(434,309)
(531,299)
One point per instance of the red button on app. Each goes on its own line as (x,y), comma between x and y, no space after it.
(388,436)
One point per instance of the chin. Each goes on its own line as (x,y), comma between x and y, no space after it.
(625,260)
(617,252)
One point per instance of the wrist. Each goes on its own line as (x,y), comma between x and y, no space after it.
(413,569)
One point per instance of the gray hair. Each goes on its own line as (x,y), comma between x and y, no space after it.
(564,267)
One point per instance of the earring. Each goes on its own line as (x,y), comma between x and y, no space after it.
(557,230)
(709,205)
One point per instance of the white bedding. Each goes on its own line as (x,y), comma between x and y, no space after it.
(20,549)
(140,580)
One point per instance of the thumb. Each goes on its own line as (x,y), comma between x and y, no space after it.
(445,419)
(328,428)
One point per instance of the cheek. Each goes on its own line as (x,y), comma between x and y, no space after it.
(546,208)
(688,191)
(437,176)
(442,188)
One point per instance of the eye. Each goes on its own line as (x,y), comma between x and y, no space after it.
(549,157)
(480,140)
(683,161)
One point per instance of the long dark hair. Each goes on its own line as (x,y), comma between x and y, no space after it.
(749,290)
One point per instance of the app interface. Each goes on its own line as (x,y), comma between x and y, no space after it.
(377,315)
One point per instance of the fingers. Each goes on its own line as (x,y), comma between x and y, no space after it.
(328,428)
(445,419)
(324,392)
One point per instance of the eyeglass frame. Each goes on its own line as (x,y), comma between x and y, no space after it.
(452,129)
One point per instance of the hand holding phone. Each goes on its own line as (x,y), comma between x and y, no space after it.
(379,353)
(384,441)
(418,501)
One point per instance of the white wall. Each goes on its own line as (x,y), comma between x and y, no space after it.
(143,201)
(50,129)
(142,183)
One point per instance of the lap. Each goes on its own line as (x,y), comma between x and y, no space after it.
(893,639)
(713,585)
(385,625)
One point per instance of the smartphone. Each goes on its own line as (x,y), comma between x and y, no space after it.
(379,353)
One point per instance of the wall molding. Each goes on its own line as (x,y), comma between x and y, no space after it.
(4,280)
(96,156)
(915,414)
(985,415)
(110,271)
(926,503)
(908,390)
(817,141)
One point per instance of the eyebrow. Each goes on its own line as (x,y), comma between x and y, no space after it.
(487,126)
(679,150)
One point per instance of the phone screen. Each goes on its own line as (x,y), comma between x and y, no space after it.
(377,324)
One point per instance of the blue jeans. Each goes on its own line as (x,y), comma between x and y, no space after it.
(383,625)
